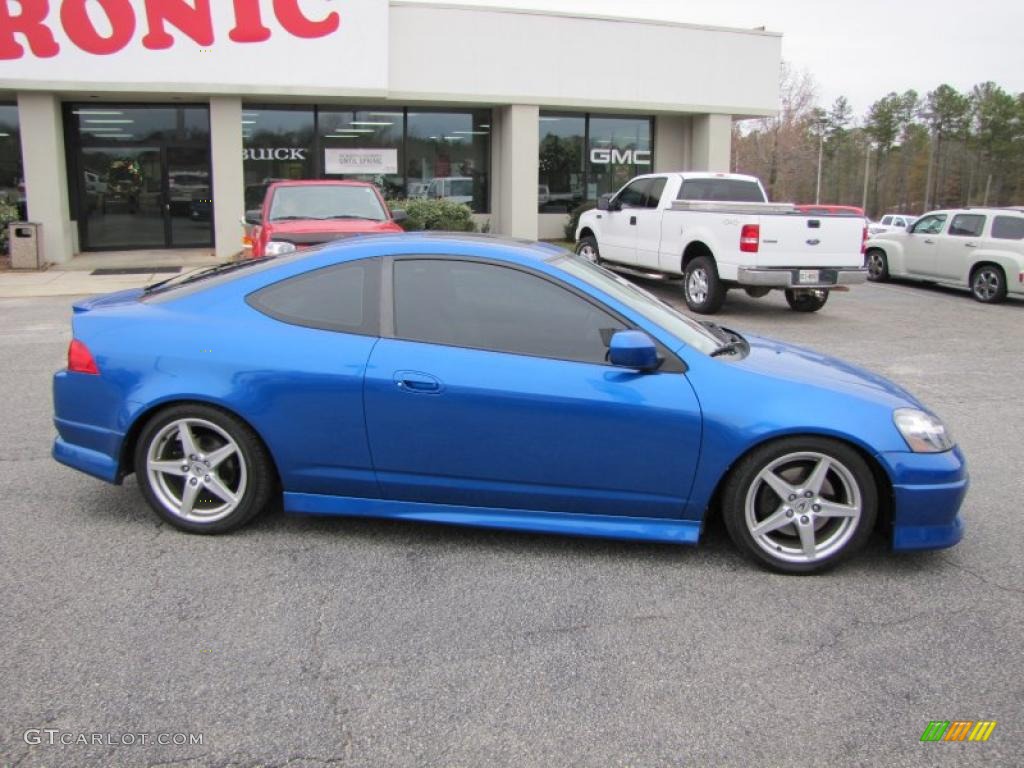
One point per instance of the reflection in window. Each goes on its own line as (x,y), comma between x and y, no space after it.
(562,138)
(277,144)
(12,179)
(107,124)
(620,148)
(448,154)
(346,135)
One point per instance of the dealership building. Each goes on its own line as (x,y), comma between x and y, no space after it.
(154,124)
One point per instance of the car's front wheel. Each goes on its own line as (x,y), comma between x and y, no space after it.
(800,505)
(203,470)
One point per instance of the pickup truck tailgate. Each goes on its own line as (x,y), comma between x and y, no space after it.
(797,240)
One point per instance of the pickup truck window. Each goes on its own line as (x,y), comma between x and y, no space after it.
(654,191)
(635,194)
(322,202)
(721,191)
(1008,228)
(967,225)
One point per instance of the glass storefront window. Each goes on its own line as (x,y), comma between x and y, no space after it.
(12,179)
(620,148)
(101,124)
(369,140)
(562,183)
(277,144)
(448,156)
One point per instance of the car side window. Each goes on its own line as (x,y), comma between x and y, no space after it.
(635,195)
(471,304)
(929,225)
(886,220)
(967,225)
(343,298)
(655,191)
(1008,228)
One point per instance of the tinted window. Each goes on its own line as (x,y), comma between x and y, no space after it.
(655,191)
(635,195)
(562,139)
(1008,227)
(453,147)
(721,191)
(482,306)
(967,225)
(341,298)
(929,225)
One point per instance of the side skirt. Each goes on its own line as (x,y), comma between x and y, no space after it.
(602,526)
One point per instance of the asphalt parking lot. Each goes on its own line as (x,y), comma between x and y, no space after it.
(315,642)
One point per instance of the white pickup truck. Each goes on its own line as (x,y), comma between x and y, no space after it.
(718,231)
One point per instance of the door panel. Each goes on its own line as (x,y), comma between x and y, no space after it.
(921,248)
(501,430)
(122,197)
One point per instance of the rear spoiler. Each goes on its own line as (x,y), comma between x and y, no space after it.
(107,300)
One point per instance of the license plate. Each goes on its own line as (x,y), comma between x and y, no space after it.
(808,276)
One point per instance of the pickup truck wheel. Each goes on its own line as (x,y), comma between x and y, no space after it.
(702,289)
(587,248)
(988,284)
(878,266)
(806,300)
(801,504)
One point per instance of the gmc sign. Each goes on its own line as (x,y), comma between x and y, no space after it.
(623,156)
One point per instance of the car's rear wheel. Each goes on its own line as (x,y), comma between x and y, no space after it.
(800,505)
(806,299)
(878,266)
(203,470)
(988,284)
(702,288)
(587,248)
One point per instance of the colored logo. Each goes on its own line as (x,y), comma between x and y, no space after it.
(958,730)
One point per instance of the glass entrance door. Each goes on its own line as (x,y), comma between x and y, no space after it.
(189,197)
(122,197)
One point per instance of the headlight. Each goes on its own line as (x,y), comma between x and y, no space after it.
(279,248)
(923,432)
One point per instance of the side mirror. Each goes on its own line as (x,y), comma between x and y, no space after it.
(254,217)
(398,215)
(604,203)
(633,349)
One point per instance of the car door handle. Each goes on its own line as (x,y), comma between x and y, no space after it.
(929,242)
(417,382)
(970,245)
(632,220)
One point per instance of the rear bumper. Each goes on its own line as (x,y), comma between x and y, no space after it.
(86,460)
(789,277)
(928,489)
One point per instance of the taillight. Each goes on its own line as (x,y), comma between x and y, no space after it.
(80,359)
(750,238)
(864,240)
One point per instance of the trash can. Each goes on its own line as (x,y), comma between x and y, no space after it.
(25,245)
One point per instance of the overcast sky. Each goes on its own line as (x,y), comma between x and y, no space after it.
(861,49)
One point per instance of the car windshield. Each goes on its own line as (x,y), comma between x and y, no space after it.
(323,202)
(640,301)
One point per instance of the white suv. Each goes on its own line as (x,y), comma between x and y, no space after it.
(977,248)
(890,222)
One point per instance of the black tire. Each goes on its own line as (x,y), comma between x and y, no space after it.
(589,242)
(988,284)
(702,288)
(878,265)
(246,471)
(806,300)
(847,481)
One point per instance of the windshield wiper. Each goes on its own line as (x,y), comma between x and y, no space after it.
(289,218)
(199,274)
(730,348)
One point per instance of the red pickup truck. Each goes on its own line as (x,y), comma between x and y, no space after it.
(300,214)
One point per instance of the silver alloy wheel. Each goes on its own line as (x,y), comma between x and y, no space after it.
(697,285)
(196,470)
(876,264)
(588,252)
(803,507)
(986,284)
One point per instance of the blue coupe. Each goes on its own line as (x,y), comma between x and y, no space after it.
(481,381)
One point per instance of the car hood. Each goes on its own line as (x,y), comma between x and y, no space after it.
(799,365)
(333,226)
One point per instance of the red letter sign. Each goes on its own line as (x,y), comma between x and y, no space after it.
(195,21)
(291,18)
(80,29)
(29,23)
(248,23)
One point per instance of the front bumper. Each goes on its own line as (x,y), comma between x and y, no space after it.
(790,277)
(928,489)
